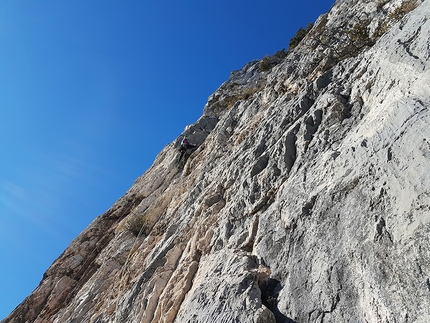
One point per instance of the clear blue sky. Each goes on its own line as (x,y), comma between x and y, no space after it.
(91,91)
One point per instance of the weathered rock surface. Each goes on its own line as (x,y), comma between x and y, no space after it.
(307,199)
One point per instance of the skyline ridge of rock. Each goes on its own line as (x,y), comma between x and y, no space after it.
(307,198)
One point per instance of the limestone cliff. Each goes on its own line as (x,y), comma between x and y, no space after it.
(306,200)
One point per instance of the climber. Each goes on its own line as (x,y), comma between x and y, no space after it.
(185,145)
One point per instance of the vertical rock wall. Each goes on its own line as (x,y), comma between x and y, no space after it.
(306,200)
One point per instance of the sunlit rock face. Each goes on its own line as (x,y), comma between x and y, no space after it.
(306,199)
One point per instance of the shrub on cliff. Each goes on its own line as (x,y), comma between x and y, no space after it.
(138,224)
(360,32)
(300,34)
(280,54)
(265,64)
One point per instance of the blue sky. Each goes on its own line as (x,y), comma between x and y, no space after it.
(91,91)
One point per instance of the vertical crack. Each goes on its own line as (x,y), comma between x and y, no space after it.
(270,289)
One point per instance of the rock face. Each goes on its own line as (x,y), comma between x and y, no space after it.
(307,199)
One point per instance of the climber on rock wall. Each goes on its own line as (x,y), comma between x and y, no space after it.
(185,145)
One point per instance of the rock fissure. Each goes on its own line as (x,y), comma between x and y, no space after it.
(407,43)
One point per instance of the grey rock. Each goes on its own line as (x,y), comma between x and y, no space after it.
(306,200)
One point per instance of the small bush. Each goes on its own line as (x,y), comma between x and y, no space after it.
(280,54)
(360,32)
(381,29)
(298,37)
(138,224)
(243,95)
(265,64)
